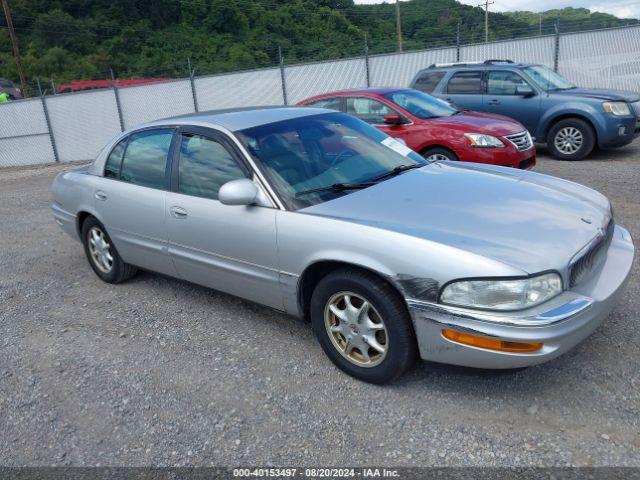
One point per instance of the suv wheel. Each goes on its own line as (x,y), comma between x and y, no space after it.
(571,139)
(363,326)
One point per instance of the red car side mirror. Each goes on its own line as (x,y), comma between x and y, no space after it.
(392,119)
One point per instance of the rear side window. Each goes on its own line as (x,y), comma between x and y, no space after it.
(465,83)
(427,81)
(204,166)
(332,103)
(145,159)
(503,82)
(112,168)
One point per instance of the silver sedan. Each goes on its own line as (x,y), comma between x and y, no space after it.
(322,216)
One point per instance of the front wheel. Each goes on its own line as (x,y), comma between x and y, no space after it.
(571,139)
(363,326)
(439,153)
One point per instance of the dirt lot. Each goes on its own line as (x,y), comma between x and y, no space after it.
(157,371)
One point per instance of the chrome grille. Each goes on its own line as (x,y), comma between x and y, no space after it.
(522,141)
(636,108)
(592,257)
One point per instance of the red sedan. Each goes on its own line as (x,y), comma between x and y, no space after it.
(435,128)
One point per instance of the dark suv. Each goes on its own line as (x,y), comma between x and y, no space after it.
(571,120)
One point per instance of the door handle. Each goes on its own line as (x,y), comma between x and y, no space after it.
(178,212)
(100,195)
(493,102)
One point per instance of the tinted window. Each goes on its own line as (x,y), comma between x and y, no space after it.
(318,151)
(332,103)
(421,105)
(112,168)
(205,165)
(367,109)
(503,82)
(145,158)
(465,82)
(427,81)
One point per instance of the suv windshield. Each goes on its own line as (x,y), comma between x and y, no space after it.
(333,153)
(547,79)
(421,105)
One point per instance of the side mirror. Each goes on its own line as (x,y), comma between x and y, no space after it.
(524,90)
(238,192)
(392,119)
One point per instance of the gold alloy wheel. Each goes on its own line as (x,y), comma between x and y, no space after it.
(100,250)
(356,329)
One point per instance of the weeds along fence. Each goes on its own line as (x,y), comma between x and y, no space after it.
(73,127)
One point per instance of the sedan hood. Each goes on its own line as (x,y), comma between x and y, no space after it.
(476,122)
(604,94)
(529,221)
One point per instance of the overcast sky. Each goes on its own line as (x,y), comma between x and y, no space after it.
(619,8)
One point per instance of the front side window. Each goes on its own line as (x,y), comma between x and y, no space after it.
(465,83)
(112,167)
(547,79)
(145,159)
(332,103)
(367,109)
(504,82)
(204,166)
(320,151)
(421,105)
(428,81)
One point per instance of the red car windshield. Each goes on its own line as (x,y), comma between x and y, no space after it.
(421,105)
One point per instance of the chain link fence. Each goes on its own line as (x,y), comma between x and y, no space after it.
(74,126)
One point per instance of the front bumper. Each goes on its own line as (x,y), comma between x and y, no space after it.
(507,156)
(559,324)
(618,131)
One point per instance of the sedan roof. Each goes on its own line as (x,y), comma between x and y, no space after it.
(235,119)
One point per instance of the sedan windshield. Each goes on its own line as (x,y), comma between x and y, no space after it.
(313,159)
(421,105)
(547,79)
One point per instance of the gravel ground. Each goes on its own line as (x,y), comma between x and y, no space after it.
(157,371)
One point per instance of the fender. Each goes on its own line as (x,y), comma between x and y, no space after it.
(574,108)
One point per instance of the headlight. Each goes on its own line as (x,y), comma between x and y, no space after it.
(498,294)
(482,140)
(616,108)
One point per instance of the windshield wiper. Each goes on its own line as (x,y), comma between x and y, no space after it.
(336,187)
(396,171)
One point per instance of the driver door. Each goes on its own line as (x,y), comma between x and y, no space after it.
(228,248)
(373,112)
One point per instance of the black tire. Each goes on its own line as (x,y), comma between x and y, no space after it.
(119,271)
(401,347)
(584,129)
(445,152)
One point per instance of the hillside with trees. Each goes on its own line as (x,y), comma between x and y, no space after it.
(84,39)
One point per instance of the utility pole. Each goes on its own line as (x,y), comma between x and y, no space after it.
(398,25)
(486,4)
(14,43)
(540,18)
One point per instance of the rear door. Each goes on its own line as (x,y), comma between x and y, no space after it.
(502,98)
(465,88)
(229,248)
(130,198)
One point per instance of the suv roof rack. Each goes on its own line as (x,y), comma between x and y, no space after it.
(464,64)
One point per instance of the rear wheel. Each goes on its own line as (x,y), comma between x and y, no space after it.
(102,254)
(363,326)
(439,153)
(571,139)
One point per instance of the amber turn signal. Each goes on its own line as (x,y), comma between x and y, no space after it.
(490,343)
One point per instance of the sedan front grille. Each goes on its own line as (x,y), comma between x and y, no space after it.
(592,257)
(522,141)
